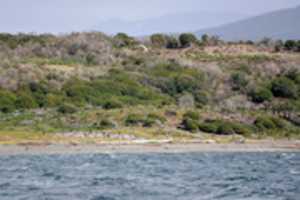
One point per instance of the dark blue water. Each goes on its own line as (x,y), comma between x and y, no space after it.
(192,176)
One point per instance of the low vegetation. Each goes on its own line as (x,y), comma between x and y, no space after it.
(165,85)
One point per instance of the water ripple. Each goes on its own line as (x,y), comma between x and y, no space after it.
(193,176)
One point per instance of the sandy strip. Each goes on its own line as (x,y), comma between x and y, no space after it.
(257,146)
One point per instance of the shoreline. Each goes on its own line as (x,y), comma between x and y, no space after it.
(127,148)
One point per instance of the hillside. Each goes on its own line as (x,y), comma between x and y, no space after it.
(90,87)
(171,23)
(282,24)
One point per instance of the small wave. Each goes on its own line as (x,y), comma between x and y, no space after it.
(101,197)
(293,171)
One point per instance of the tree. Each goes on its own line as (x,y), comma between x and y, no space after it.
(186,39)
(279,45)
(172,42)
(205,38)
(158,40)
(298,46)
(123,40)
(290,45)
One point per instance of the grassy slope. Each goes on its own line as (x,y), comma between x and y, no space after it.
(143,83)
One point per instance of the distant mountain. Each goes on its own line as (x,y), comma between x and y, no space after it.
(172,23)
(282,24)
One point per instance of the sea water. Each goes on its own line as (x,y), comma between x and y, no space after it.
(190,176)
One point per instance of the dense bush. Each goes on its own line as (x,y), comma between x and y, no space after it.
(91,59)
(174,79)
(106,124)
(112,104)
(222,127)
(158,40)
(239,81)
(25,100)
(191,115)
(78,92)
(294,75)
(260,95)
(39,91)
(54,99)
(290,45)
(190,121)
(157,117)
(134,119)
(146,121)
(201,98)
(172,42)
(186,39)
(13,41)
(67,108)
(190,125)
(264,123)
(186,83)
(284,87)
(209,127)
(7,101)
(111,91)
(226,129)
(123,40)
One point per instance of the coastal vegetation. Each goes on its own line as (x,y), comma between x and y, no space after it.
(164,86)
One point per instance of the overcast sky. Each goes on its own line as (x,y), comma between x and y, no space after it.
(77,15)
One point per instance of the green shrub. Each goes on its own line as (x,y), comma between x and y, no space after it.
(157,117)
(186,83)
(284,87)
(25,100)
(54,100)
(112,104)
(201,98)
(205,39)
(172,42)
(279,123)
(186,39)
(260,95)
(209,127)
(123,40)
(158,40)
(226,129)
(106,124)
(293,75)
(67,108)
(149,122)
(190,121)
(7,101)
(264,123)
(38,88)
(134,119)
(190,125)
(242,129)
(91,59)
(290,45)
(298,46)
(239,81)
(191,115)
(39,92)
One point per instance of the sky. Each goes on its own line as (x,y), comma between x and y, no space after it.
(58,16)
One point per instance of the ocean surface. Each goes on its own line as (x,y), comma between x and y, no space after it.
(191,176)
